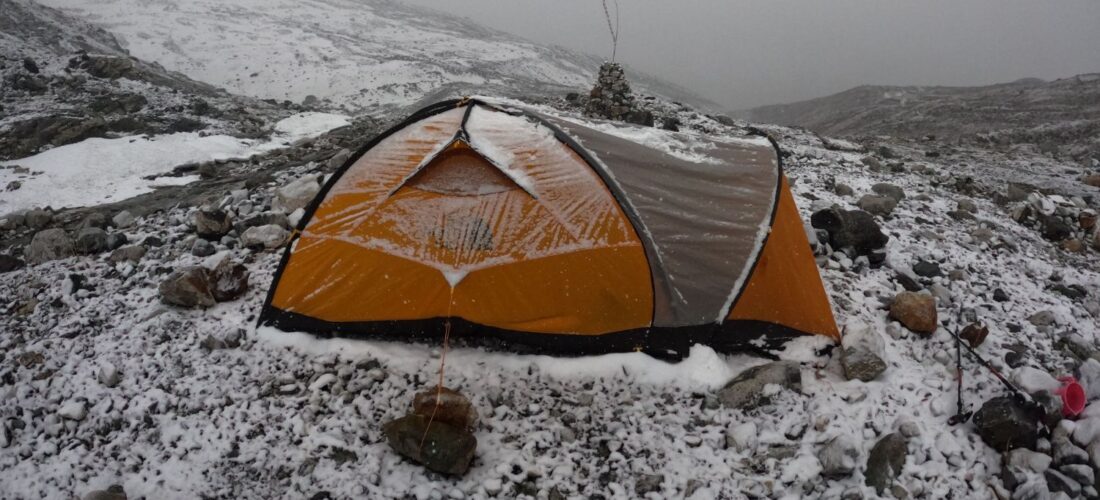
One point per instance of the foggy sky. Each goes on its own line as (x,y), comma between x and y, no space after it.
(742,54)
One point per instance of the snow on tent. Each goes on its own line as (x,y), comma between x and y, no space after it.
(517,228)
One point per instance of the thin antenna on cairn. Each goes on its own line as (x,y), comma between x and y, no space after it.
(614,29)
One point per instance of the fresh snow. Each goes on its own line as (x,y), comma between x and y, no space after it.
(286,415)
(96,171)
(365,54)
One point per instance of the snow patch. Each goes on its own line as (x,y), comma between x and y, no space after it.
(96,171)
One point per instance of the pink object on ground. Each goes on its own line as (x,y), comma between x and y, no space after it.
(1073,397)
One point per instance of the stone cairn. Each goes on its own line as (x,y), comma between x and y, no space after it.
(611,96)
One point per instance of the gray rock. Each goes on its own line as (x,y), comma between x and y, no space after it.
(889,190)
(203,248)
(749,389)
(881,206)
(862,354)
(1018,464)
(263,219)
(1042,318)
(446,449)
(648,483)
(37,218)
(132,253)
(1089,376)
(116,240)
(108,375)
(90,240)
(12,221)
(9,263)
(339,159)
(75,409)
(47,245)
(94,219)
(1004,426)
(885,461)
(1079,472)
(228,280)
(967,205)
(188,287)
(927,269)
(839,457)
(850,228)
(1034,489)
(1064,451)
(742,437)
(113,492)
(264,237)
(296,194)
(843,190)
(871,163)
(1058,482)
(1054,228)
(123,219)
(212,223)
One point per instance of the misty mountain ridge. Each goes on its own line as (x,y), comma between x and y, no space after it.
(1059,116)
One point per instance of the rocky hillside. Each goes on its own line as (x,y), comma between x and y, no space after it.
(129,361)
(65,81)
(1059,117)
(351,55)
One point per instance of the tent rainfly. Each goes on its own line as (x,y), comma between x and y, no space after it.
(540,234)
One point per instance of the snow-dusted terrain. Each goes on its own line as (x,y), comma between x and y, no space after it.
(208,406)
(102,383)
(96,171)
(363,54)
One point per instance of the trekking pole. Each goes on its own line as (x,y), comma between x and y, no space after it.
(1022,396)
(960,415)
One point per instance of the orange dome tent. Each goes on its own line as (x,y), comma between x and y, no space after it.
(550,235)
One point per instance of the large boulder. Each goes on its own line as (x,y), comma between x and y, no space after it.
(850,228)
(1004,425)
(188,287)
(440,446)
(885,461)
(212,223)
(264,237)
(916,311)
(862,353)
(757,386)
(47,245)
(297,194)
(443,404)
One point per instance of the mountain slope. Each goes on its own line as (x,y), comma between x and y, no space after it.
(358,54)
(66,80)
(1064,113)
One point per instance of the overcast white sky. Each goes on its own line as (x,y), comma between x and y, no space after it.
(749,53)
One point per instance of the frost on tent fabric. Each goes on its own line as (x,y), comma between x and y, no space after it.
(554,235)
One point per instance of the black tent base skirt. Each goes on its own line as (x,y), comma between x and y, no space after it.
(666,343)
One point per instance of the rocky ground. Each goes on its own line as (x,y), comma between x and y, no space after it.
(129,356)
